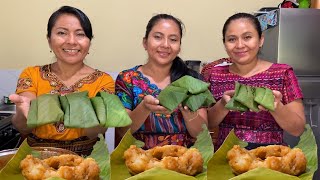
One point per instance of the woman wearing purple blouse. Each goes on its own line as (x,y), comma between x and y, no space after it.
(242,38)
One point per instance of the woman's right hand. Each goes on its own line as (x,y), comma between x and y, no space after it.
(22,103)
(226,97)
(152,104)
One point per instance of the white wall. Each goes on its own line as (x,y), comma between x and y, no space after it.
(118,26)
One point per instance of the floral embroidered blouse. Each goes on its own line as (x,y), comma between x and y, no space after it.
(157,130)
(40,80)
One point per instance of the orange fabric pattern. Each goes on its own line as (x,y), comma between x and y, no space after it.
(40,80)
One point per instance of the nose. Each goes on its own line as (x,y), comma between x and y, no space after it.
(165,42)
(71,38)
(240,43)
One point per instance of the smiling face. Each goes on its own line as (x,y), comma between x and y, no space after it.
(242,41)
(163,42)
(68,40)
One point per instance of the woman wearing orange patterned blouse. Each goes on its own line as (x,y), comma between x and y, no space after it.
(69,35)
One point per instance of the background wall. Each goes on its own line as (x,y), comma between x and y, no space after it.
(119,26)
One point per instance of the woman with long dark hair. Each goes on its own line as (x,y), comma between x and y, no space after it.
(139,86)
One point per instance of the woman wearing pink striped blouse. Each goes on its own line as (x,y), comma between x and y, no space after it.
(242,38)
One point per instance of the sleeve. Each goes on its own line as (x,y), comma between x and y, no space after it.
(205,72)
(27,81)
(107,84)
(292,90)
(207,69)
(123,90)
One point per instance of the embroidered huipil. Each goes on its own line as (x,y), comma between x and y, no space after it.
(157,130)
(253,127)
(40,80)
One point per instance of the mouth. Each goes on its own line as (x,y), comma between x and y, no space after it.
(71,50)
(163,54)
(242,53)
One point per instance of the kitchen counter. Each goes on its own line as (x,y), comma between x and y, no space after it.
(7,109)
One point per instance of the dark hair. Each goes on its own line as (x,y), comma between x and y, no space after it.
(84,20)
(178,68)
(255,22)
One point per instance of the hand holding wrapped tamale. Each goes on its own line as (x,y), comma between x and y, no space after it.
(247,97)
(187,90)
(44,110)
(77,110)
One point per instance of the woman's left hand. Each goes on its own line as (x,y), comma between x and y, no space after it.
(277,100)
(187,114)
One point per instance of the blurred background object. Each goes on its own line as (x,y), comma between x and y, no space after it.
(304,3)
(193,64)
(315,4)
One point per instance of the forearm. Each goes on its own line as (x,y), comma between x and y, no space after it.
(216,114)
(138,116)
(94,131)
(19,121)
(194,124)
(289,120)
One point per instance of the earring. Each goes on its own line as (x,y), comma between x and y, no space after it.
(51,51)
(88,53)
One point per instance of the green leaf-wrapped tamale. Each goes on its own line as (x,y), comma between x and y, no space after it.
(194,102)
(264,97)
(66,108)
(81,114)
(100,109)
(117,116)
(193,85)
(45,109)
(171,96)
(32,118)
(209,98)
(235,105)
(246,97)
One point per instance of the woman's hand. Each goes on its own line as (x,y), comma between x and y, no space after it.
(277,100)
(227,95)
(22,103)
(187,114)
(152,104)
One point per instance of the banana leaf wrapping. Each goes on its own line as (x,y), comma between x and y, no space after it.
(246,97)
(218,167)
(79,112)
(194,102)
(234,104)
(12,169)
(100,109)
(119,169)
(117,115)
(171,96)
(187,91)
(194,86)
(264,97)
(44,110)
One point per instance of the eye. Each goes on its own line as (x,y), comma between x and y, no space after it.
(231,39)
(81,34)
(247,37)
(61,33)
(157,36)
(173,39)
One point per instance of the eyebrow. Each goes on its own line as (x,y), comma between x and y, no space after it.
(68,29)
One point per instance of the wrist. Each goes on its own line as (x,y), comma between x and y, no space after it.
(193,117)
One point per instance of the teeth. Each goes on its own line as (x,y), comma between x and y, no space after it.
(71,50)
